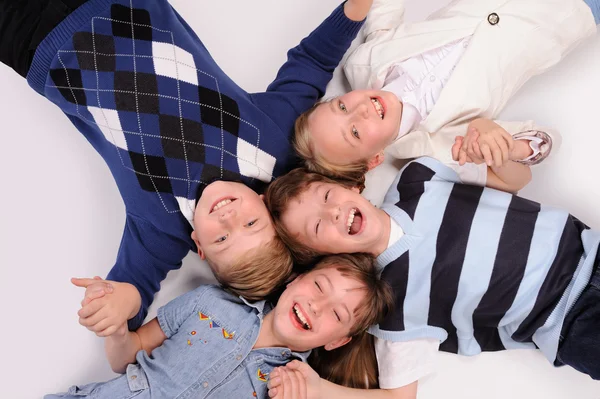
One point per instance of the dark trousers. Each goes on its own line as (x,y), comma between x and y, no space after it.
(23,26)
(580,337)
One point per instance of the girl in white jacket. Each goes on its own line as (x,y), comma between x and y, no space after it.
(419,86)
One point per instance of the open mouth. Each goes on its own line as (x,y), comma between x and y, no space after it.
(379,107)
(300,317)
(354,222)
(221,203)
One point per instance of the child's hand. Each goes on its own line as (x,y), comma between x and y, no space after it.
(107,305)
(494,144)
(357,10)
(295,380)
(461,156)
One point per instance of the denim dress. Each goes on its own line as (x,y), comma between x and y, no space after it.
(207,354)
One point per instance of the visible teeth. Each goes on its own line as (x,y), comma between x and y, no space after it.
(301,317)
(350,219)
(221,204)
(378,107)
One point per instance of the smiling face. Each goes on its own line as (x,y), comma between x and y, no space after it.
(333,219)
(317,309)
(229,220)
(355,127)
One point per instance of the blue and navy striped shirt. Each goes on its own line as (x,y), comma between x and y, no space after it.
(477,268)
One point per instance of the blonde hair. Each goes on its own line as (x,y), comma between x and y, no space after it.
(355,364)
(277,199)
(258,272)
(315,162)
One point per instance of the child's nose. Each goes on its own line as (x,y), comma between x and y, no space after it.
(362,110)
(315,307)
(227,215)
(336,213)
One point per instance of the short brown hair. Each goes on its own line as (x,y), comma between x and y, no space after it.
(355,364)
(278,197)
(314,162)
(258,272)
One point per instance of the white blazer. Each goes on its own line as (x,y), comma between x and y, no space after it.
(512,40)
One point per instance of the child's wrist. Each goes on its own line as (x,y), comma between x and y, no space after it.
(521,150)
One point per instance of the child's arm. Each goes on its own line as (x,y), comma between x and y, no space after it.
(298,377)
(145,257)
(488,142)
(122,347)
(302,80)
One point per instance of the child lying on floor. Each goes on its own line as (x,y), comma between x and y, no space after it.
(473,269)
(209,343)
(417,86)
(142,88)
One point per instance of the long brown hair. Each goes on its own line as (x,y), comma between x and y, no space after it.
(355,365)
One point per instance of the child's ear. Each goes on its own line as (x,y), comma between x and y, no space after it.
(337,343)
(262,197)
(355,189)
(376,160)
(200,252)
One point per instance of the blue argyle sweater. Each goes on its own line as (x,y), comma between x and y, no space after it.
(480,269)
(141,87)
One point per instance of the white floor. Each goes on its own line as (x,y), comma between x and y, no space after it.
(61,214)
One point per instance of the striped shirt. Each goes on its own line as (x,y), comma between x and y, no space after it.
(480,269)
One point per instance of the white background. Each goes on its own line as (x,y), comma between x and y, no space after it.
(61,214)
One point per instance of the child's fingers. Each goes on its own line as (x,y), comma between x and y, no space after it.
(300,384)
(91,308)
(83,282)
(93,320)
(479,158)
(496,153)
(503,150)
(107,332)
(91,295)
(510,142)
(100,326)
(291,384)
(274,382)
(487,154)
(456,147)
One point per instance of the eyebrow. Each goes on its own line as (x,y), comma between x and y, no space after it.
(335,110)
(343,305)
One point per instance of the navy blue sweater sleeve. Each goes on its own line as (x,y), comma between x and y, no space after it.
(302,80)
(145,257)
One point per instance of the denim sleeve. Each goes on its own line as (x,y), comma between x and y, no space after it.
(595,7)
(145,257)
(172,315)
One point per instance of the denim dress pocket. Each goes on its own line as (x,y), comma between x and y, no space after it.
(132,384)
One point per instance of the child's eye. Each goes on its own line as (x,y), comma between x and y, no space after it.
(337,316)
(252,223)
(317,227)
(318,286)
(355,132)
(221,239)
(342,106)
(327,195)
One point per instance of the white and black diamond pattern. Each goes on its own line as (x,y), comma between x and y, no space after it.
(149,99)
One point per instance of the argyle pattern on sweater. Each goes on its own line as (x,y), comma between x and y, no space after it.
(160,111)
(142,88)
